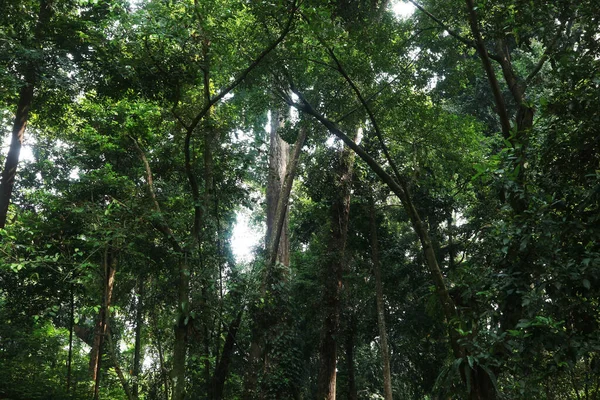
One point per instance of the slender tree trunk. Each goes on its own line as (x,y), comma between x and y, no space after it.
(137,353)
(516,258)
(400,188)
(113,355)
(163,369)
(12,159)
(385,352)
(222,368)
(181,332)
(352,393)
(340,212)
(71,327)
(21,117)
(110,264)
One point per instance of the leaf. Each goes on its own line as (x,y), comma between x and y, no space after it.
(586,284)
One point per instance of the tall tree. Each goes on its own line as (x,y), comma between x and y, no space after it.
(334,266)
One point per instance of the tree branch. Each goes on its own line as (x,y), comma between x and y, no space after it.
(364,103)
(209,104)
(400,190)
(489,69)
(162,226)
(452,32)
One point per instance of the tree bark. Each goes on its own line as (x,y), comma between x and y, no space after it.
(71,327)
(256,346)
(181,332)
(385,352)
(110,264)
(222,368)
(340,212)
(12,159)
(278,159)
(139,320)
(352,393)
(22,116)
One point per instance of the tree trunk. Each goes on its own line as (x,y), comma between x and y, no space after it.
(71,327)
(400,188)
(22,117)
(340,212)
(181,330)
(352,393)
(222,368)
(385,352)
(110,264)
(161,359)
(139,320)
(12,159)
(274,240)
(278,159)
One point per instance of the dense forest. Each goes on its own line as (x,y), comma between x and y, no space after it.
(421,181)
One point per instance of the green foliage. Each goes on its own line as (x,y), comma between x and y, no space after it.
(122,96)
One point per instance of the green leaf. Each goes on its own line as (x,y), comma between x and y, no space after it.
(586,284)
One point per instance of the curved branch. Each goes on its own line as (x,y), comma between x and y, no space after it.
(450,31)
(400,190)
(162,226)
(364,103)
(204,111)
(489,69)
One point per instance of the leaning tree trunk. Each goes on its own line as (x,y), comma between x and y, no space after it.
(222,368)
(22,117)
(385,352)
(340,212)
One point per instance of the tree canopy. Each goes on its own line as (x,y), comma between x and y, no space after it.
(424,189)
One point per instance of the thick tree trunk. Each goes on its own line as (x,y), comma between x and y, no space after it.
(278,159)
(340,212)
(274,240)
(385,352)
(110,264)
(137,353)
